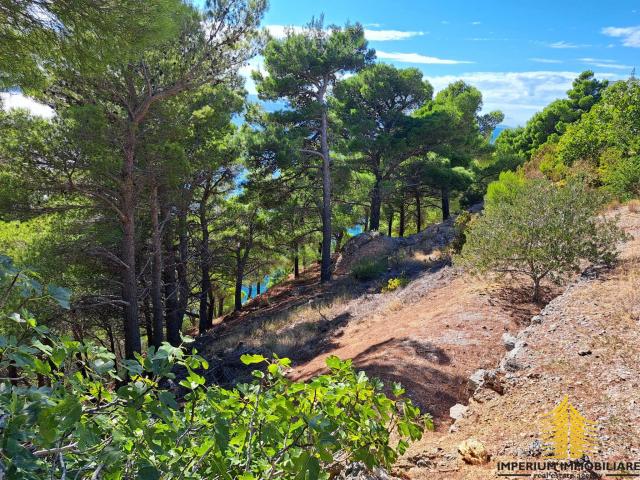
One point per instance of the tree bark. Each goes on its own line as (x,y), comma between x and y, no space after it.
(376,204)
(402,219)
(250,291)
(238,288)
(148,320)
(211,309)
(156,270)
(132,342)
(220,305)
(205,280)
(325,271)
(390,225)
(258,286)
(418,212)
(181,264)
(445,203)
(296,262)
(536,290)
(172,309)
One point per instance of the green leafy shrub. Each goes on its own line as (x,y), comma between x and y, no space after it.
(369,269)
(461,224)
(541,230)
(394,284)
(622,178)
(62,418)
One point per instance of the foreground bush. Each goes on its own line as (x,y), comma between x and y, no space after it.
(538,229)
(369,269)
(59,419)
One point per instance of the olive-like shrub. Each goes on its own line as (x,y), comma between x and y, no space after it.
(69,414)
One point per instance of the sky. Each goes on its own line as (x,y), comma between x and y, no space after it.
(520,54)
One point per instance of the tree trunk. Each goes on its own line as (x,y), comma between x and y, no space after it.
(339,238)
(220,305)
(12,372)
(238,287)
(296,262)
(325,271)
(156,270)
(390,225)
(536,290)
(205,280)
(258,286)
(211,309)
(402,219)
(250,291)
(181,264)
(172,308)
(418,212)
(445,203)
(129,281)
(376,203)
(148,321)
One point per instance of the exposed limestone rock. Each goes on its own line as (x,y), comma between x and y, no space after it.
(485,379)
(509,341)
(473,452)
(458,411)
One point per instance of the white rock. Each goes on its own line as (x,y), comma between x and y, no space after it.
(458,411)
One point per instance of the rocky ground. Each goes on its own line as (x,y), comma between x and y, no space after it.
(584,344)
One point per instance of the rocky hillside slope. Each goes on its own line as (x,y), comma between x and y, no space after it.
(584,344)
(478,356)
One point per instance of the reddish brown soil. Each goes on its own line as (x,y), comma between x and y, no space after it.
(431,339)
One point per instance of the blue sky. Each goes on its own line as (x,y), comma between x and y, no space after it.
(521,55)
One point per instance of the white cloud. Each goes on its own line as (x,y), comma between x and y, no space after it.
(545,60)
(386,35)
(630,35)
(563,45)
(476,23)
(11,100)
(256,63)
(280,31)
(518,94)
(417,58)
(604,63)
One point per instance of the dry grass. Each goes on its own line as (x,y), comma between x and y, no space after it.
(634,206)
(285,333)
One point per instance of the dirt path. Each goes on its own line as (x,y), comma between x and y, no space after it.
(430,337)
